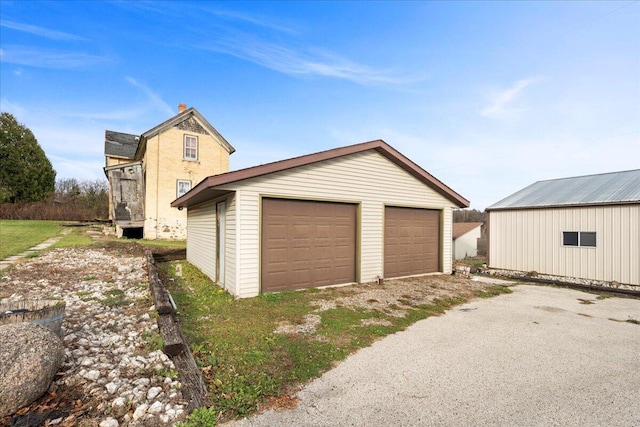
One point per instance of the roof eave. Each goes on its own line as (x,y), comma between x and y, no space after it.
(557,206)
(190,198)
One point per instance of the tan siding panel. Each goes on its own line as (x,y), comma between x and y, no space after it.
(231,264)
(201,244)
(531,240)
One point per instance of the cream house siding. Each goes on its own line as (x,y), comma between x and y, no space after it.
(467,244)
(366,178)
(231,264)
(164,165)
(531,240)
(201,248)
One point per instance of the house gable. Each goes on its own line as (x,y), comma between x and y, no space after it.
(462,228)
(189,120)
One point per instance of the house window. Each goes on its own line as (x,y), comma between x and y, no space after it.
(191,147)
(183,187)
(579,238)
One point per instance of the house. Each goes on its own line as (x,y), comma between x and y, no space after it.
(353,214)
(146,172)
(585,228)
(465,239)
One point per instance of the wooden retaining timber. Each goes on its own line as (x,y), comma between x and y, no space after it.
(158,291)
(175,346)
(173,341)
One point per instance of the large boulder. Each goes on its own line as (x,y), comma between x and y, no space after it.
(30,356)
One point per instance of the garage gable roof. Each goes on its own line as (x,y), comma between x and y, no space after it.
(206,189)
(602,189)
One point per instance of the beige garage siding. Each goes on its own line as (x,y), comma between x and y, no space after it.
(307,244)
(531,240)
(201,244)
(366,178)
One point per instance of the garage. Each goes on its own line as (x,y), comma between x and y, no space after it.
(307,244)
(347,215)
(411,241)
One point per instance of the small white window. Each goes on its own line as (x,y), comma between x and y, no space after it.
(579,238)
(191,147)
(183,187)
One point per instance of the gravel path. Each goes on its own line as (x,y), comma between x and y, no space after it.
(112,375)
(538,357)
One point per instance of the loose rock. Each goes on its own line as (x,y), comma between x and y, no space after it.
(30,356)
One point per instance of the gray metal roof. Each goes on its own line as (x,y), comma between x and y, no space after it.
(120,144)
(606,188)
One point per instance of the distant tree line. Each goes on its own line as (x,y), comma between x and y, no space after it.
(28,186)
(468,215)
(72,200)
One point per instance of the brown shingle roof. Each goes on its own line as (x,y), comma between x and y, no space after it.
(205,190)
(460,228)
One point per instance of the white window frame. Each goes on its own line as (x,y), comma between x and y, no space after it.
(186,150)
(580,245)
(180,182)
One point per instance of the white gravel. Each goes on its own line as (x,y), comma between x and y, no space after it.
(537,357)
(106,342)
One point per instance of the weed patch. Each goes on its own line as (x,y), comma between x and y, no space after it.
(114,298)
(153,341)
(493,291)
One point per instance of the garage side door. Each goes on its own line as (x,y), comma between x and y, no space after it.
(307,244)
(411,241)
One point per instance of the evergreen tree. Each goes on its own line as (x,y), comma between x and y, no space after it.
(26,174)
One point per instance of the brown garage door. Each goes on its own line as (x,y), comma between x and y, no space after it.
(411,241)
(307,244)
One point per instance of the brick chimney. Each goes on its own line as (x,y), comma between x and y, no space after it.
(182,107)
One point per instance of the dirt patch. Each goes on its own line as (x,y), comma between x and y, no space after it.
(395,296)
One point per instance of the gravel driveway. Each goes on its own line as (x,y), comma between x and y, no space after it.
(539,356)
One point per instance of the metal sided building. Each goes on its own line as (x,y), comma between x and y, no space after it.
(585,227)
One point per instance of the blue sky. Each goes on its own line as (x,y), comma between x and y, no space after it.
(488,97)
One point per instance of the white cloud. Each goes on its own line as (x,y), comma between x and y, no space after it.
(39,31)
(260,22)
(310,62)
(502,102)
(33,57)
(154,98)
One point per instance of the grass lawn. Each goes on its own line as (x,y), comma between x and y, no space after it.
(16,236)
(247,364)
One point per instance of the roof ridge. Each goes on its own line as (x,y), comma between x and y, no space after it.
(587,176)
